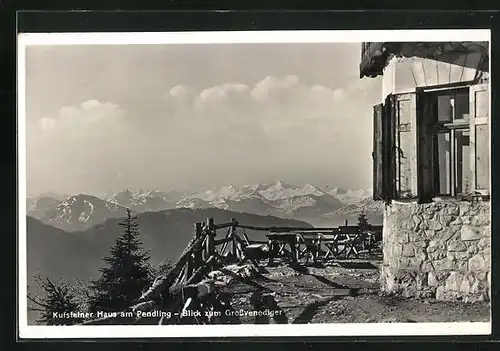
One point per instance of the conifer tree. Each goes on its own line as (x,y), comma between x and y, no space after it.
(59,305)
(126,274)
(363,221)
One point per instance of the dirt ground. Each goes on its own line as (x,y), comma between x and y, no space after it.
(345,291)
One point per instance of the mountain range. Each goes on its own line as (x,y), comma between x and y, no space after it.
(308,203)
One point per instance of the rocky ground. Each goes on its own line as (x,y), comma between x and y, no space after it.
(344,291)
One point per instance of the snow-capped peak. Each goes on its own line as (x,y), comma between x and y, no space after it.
(281,190)
(309,189)
(350,196)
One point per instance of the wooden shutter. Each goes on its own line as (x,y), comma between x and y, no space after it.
(378,118)
(388,137)
(405,146)
(480,138)
(383,150)
(425,146)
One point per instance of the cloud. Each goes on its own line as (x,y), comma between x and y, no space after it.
(279,90)
(226,97)
(274,110)
(47,123)
(89,115)
(181,91)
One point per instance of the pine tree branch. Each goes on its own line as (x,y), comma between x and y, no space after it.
(32,299)
(56,289)
(36,309)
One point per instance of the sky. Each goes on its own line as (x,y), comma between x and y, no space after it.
(102,118)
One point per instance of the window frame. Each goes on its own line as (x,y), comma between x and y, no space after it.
(450,127)
(424,126)
(430,94)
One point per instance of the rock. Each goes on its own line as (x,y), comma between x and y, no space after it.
(456,245)
(429,233)
(445,219)
(454,281)
(420,253)
(465,209)
(452,210)
(422,280)
(472,248)
(484,242)
(410,263)
(402,238)
(397,250)
(470,233)
(408,251)
(426,266)
(437,254)
(435,225)
(465,287)
(444,264)
(441,293)
(416,222)
(449,233)
(480,219)
(435,246)
(421,244)
(478,263)
(432,279)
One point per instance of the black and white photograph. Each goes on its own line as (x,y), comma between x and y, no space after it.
(241,183)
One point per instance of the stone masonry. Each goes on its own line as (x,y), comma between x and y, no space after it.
(437,250)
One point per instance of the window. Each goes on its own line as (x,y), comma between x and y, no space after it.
(451,142)
(460,141)
(432,143)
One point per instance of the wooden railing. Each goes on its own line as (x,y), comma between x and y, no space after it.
(187,286)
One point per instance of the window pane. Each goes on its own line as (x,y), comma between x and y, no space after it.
(482,103)
(443,163)
(445,110)
(482,157)
(462,166)
(461,103)
(406,148)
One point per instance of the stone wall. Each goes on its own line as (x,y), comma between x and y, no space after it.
(439,250)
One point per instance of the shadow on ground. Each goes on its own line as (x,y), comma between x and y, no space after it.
(357,265)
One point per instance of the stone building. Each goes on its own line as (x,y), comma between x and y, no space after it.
(431,166)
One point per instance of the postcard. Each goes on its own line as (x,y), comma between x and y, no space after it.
(280,183)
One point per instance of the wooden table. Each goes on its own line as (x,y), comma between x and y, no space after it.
(277,244)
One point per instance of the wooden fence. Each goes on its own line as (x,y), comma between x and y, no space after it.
(186,286)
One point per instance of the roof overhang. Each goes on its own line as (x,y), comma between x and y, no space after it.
(374,56)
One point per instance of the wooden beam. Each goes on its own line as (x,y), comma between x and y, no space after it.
(163,283)
(223,225)
(285,229)
(222,241)
(228,238)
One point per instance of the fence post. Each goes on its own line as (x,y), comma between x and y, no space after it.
(233,236)
(210,237)
(197,254)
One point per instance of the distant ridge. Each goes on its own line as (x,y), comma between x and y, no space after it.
(279,198)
